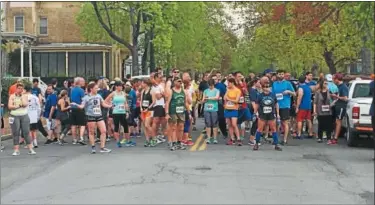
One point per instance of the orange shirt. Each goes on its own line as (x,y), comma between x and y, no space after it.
(12,89)
(232,95)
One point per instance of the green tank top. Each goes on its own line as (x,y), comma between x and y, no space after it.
(177,104)
(19,111)
(118,102)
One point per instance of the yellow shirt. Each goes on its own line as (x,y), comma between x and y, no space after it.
(232,95)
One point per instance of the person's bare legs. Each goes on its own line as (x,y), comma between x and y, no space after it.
(230,129)
(337,129)
(235,128)
(285,124)
(91,131)
(82,132)
(103,133)
(215,129)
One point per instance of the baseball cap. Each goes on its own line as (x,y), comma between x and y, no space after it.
(118,83)
(329,77)
(128,84)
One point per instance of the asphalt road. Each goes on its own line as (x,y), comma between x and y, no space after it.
(303,173)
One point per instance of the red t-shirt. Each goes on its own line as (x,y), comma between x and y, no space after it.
(243,89)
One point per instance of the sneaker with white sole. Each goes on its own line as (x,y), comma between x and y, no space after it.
(16,153)
(105,150)
(32,152)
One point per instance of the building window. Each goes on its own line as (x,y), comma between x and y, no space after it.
(18,24)
(43,26)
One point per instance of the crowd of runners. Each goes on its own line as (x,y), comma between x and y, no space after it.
(165,109)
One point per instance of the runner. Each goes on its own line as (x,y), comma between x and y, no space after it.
(120,105)
(189,90)
(92,104)
(131,97)
(77,117)
(104,92)
(146,114)
(158,102)
(210,99)
(244,115)
(223,89)
(231,99)
(303,107)
(19,119)
(322,110)
(53,125)
(255,86)
(63,109)
(34,111)
(283,90)
(176,104)
(266,108)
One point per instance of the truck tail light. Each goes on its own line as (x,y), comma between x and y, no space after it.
(355,113)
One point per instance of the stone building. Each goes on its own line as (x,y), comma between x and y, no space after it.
(51,44)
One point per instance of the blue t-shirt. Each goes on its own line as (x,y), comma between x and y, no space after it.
(306,98)
(222,88)
(253,98)
(311,83)
(76,95)
(36,91)
(50,102)
(267,103)
(343,91)
(132,99)
(278,87)
(372,92)
(332,88)
(211,105)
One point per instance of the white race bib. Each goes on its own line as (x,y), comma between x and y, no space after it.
(97,111)
(230,104)
(279,96)
(242,100)
(11,120)
(267,110)
(121,107)
(209,107)
(325,108)
(180,109)
(145,103)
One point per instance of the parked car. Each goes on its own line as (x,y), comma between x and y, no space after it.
(357,122)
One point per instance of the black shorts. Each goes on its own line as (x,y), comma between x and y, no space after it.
(78,117)
(2,123)
(284,114)
(34,126)
(292,111)
(340,112)
(137,112)
(267,117)
(159,111)
(94,118)
(131,119)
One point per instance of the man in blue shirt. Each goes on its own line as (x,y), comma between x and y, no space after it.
(283,90)
(132,101)
(77,115)
(303,107)
(50,115)
(223,89)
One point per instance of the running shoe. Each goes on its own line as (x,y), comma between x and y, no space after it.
(256,146)
(75,141)
(147,144)
(215,141)
(208,141)
(242,138)
(332,142)
(299,137)
(97,140)
(278,148)
(55,141)
(239,142)
(82,142)
(283,143)
(16,153)
(93,150)
(230,142)
(251,143)
(170,144)
(105,150)
(189,143)
(153,142)
(124,141)
(130,144)
(173,147)
(119,144)
(48,142)
(108,139)
(2,147)
(319,140)
(190,138)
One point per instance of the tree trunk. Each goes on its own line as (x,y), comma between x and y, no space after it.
(328,57)
(145,54)
(135,66)
(152,51)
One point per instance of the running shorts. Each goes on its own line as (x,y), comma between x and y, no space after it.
(94,118)
(303,115)
(211,119)
(78,117)
(284,114)
(231,113)
(244,115)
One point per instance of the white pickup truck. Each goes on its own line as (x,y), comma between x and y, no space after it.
(357,122)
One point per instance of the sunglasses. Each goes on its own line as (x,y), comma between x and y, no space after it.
(176,72)
(179,81)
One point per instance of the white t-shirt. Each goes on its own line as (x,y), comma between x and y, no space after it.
(158,89)
(34,108)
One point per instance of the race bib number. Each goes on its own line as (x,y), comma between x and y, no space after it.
(242,100)
(11,120)
(267,110)
(325,108)
(121,107)
(279,96)
(210,107)
(97,111)
(145,103)
(180,109)
(230,104)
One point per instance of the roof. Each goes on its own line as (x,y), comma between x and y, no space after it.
(17,36)
(72,46)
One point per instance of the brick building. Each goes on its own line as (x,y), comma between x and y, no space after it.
(46,32)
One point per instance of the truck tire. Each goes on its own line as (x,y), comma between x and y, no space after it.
(351,136)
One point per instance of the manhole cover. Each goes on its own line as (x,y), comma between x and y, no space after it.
(203,168)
